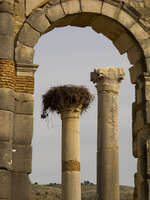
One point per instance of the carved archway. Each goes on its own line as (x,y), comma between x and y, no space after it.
(118,22)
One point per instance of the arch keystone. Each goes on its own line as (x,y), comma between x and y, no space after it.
(71,6)
(91,6)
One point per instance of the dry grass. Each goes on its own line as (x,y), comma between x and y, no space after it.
(43,192)
(61,97)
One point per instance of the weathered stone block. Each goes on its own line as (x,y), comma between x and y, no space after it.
(91,6)
(148,182)
(83,20)
(147,3)
(28,36)
(22,158)
(20,7)
(148,156)
(24,103)
(142,137)
(136,71)
(125,19)
(23,129)
(24,54)
(141,187)
(134,54)
(148,112)
(7,6)
(71,6)
(54,12)
(142,166)
(146,47)
(134,147)
(108,27)
(66,20)
(148,64)
(6,125)
(124,43)
(109,10)
(7,99)
(139,121)
(133,77)
(53,2)
(21,187)
(5,155)
(32,4)
(139,32)
(139,96)
(39,21)
(6,24)
(147,91)
(7,47)
(5,184)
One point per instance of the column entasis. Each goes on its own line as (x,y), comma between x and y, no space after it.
(107,82)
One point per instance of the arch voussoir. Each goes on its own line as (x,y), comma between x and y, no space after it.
(146,49)
(110,10)
(28,36)
(93,6)
(108,27)
(54,11)
(124,42)
(139,32)
(39,21)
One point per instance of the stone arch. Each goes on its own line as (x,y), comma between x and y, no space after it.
(120,23)
(123,25)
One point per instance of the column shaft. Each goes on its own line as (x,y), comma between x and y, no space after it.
(71,186)
(107,83)
(107,149)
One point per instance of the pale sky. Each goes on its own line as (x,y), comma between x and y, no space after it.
(67,56)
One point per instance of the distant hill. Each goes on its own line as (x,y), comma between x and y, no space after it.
(53,192)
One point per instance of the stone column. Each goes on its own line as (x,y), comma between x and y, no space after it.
(7,96)
(107,83)
(23,131)
(71,186)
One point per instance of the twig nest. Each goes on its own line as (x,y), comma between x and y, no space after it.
(61,97)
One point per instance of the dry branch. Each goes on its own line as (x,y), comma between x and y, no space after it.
(61,97)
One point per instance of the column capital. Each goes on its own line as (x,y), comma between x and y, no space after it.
(113,73)
(107,78)
(71,112)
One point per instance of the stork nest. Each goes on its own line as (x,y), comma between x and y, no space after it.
(61,97)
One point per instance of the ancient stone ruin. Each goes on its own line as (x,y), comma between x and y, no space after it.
(69,101)
(107,82)
(22,22)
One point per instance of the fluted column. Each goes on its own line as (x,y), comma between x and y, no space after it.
(71,186)
(107,82)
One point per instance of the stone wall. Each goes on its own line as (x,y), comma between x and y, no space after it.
(126,23)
